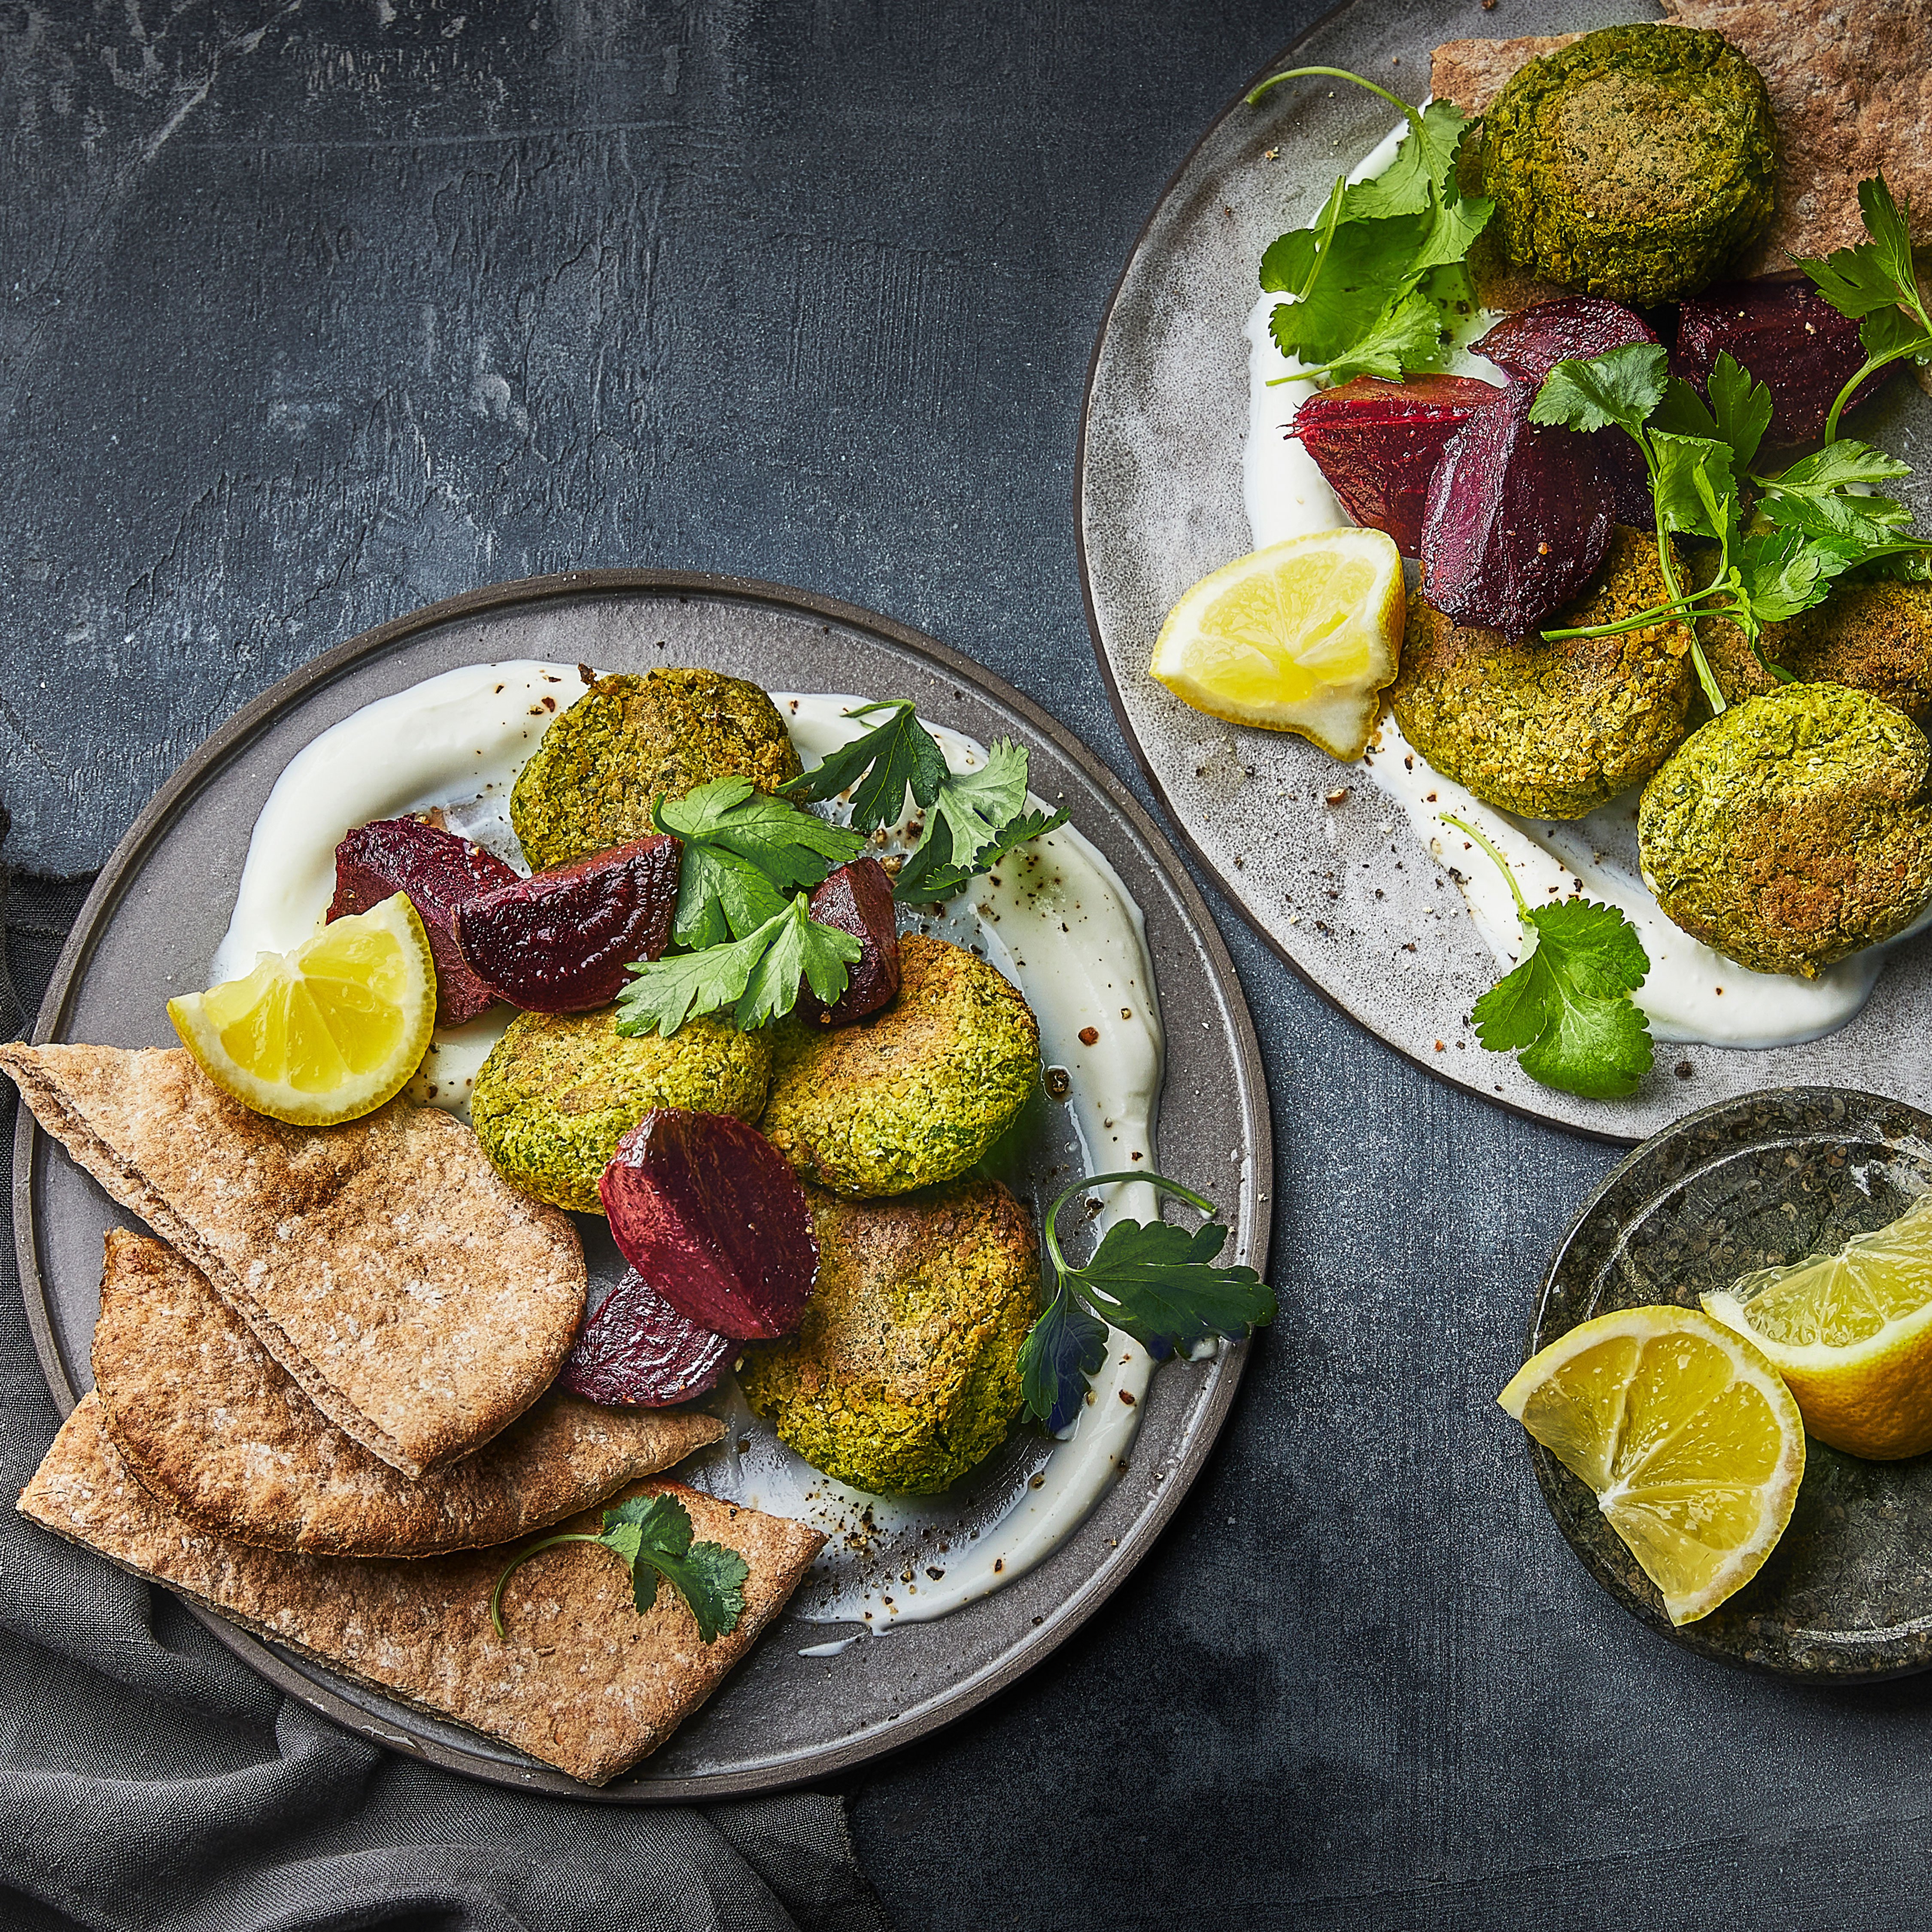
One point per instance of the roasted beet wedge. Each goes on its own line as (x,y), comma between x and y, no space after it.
(1519,518)
(637,1352)
(710,1213)
(857,898)
(1790,338)
(440,872)
(1378,442)
(1531,343)
(558,942)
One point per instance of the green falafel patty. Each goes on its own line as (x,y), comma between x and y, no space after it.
(1551,730)
(559,1090)
(1793,828)
(1873,636)
(1635,163)
(904,1373)
(917,1093)
(629,740)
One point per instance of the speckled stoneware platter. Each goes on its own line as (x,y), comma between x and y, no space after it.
(1847,1594)
(151,923)
(1159,504)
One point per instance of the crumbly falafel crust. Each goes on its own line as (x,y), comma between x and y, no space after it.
(1635,163)
(1552,730)
(630,739)
(1792,830)
(1874,637)
(917,1093)
(904,1374)
(559,1090)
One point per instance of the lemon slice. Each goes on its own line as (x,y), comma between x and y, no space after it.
(1302,636)
(1693,1446)
(326,1033)
(1851,1333)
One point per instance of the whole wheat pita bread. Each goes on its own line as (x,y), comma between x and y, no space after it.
(422,1302)
(209,1424)
(584,1680)
(1851,87)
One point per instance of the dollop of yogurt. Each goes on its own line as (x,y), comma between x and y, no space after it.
(1055,918)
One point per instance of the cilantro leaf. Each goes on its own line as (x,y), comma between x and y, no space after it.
(1565,1010)
(1421,168)
(1621,386)
(1782,573)
(758,977)
(1062,1351)
(931,872)
(1401,338)
(1362,270)
(1158,1283)
(896,756)
(1693,486)
(744,851)
(651,1535)
(1451,234)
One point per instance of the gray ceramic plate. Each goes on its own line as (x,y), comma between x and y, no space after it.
(1847,1594)
(1159,506)
(151,923)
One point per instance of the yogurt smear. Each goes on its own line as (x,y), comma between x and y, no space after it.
(1055,918)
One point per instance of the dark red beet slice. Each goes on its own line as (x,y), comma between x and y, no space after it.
(638,1352)
(1790,338)
(1519,518)
(440,872)
(1531,343)
(857,898)
(710,1213)
(558,942)
(1378,442)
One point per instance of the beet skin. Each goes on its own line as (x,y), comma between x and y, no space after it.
(857,898)
(559,941)
(440,872)
(709,1213)
(637,1352)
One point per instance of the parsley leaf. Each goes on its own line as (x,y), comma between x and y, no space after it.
(1820,495)
(931,872)
(894,758)
(651,1535)
(1737,415)
(1782,573)
(744,852)
(758,977)
(1158,1283)
(1692,485)
(1566,1009)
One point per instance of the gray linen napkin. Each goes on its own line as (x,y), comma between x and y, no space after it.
(149,1782)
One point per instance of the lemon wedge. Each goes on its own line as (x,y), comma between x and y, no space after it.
(1851,1333)
(1302,636)
(326,1033)
(1693,1445)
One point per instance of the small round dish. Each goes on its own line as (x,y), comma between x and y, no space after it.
(789,1713)
(1846,1596)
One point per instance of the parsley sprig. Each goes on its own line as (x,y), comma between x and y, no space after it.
(1152,1281)
(1811,522)
(1874,283)
(973,819)
(1373,280)
(652,1537)
(1565,1009)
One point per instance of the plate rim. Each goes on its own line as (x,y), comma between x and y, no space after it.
(1550,1473)
(849,1753)
(1436,1071)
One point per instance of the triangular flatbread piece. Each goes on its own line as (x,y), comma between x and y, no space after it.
(583,1680)
(209,1424)
(422,1302)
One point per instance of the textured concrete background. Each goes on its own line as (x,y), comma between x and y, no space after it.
(309,314)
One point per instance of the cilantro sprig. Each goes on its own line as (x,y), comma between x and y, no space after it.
(1152,1281)
(652,1537)
(1565,1009)
(1812,522)
(759,976)
(1372,280)
(745,852)
(1873,283)
(973,819)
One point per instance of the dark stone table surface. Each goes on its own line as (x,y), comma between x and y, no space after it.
(312,312)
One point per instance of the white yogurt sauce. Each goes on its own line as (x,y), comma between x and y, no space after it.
(1055,919)
(1691,995)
